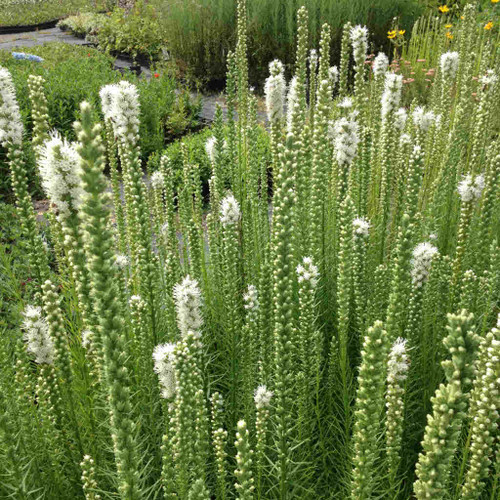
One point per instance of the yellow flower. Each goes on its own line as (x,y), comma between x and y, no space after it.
(462,18)
(495,1)
(449,35)
(488,26)
(391,34)
(444,9)
(402,32)
(448,25)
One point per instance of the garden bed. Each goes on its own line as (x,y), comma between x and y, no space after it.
(7,30)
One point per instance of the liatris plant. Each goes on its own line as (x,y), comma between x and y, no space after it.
(318,320)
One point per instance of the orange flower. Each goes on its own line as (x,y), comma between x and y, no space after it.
(444,9)
(488,26)
(157,75)
(449,35)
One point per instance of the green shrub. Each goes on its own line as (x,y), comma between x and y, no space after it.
(84,24)
(200,32)
(137,33)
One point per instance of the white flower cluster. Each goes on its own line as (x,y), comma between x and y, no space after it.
(313,58)
(187,296)
(400,117)
(307,271)
(37,336)
(157,180)
(275,91)
(121,261)
(490,78)
(230,211)
(120,105)
(333,73)
(359,40)
(60,169)
(423,120)
(361,227)
(210,148)
(11,125)
(262,397)
(421,263)
(345,103)
(391,96)
(163,356)
(449,64)
(405,139)
(251,298)
(380,65)
(87,337)
(291,102)
(135,299)
(398,363)
(470,189)
(346,139)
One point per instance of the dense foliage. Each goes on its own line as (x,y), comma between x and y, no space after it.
(74,74)
(327,328)
(200,33)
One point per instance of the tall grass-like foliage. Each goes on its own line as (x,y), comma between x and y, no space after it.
(321,323)
(201,32)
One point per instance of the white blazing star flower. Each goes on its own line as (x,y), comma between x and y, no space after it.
(421,263)
(210,148)
(157,180)
(469,189)
(292,102)
(60,169)
(422,119)
(333,73)
(262,397)
(120,105)
(398,363)
(391,96)
(346,139)
(37,336)
(400,117)
(251,298)
(11,125)
(313,58)
(230,211)
(490,78)
(449,64)
(380,65)
(405,139)
(121,261)
(87,336)
(307,271)
(361,227)
(359,40)
(187,297)
(163,355)
(345,103)
(106,95)
(275,91)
